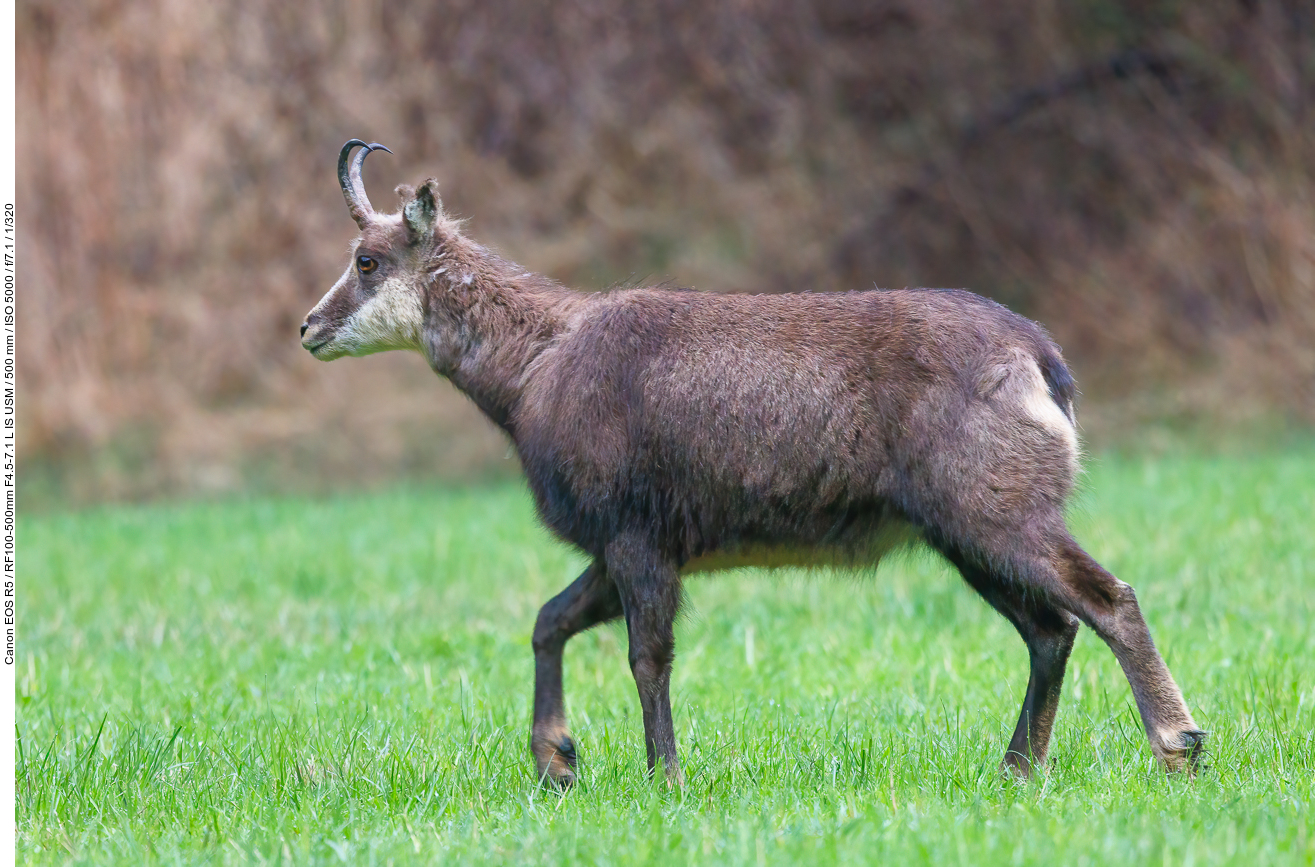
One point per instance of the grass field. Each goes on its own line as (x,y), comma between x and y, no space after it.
(348,681)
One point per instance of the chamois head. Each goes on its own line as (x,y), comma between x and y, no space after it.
(378,303)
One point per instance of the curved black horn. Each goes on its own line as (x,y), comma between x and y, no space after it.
(349,178)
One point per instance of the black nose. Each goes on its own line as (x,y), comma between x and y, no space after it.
(304,326)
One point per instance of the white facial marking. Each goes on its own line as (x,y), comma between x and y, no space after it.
(390,319)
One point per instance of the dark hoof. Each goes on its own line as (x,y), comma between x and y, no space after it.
(1016,765)
(556,760)
(1194,743)
(1188,753)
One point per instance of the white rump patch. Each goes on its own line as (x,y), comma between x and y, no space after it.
(1038,403)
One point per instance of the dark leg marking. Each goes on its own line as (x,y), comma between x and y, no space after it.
(589,600)
(649,587)
(1049,633)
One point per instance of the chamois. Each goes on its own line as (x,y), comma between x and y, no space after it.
(668,432)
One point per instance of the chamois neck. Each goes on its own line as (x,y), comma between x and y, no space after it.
(486,321)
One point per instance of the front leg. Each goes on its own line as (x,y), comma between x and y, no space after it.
(591,599)
(650,594)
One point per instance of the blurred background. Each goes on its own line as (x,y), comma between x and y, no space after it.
(1139,176)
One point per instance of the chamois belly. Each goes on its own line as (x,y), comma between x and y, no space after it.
(857,550)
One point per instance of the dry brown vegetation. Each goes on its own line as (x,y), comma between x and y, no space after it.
(1139,176)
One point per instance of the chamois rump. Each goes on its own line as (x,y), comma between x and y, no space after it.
(669,432)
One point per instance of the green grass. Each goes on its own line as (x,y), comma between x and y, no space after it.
(348,681)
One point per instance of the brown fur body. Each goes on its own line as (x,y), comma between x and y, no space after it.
(810,423)
(666,432)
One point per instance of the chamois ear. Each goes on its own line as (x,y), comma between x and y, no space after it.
(421,212)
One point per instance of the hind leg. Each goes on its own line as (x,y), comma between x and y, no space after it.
(1048,566)
(1049,633)
(1110,608)
(994,489)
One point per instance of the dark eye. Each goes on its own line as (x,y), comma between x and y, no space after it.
(365,264)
